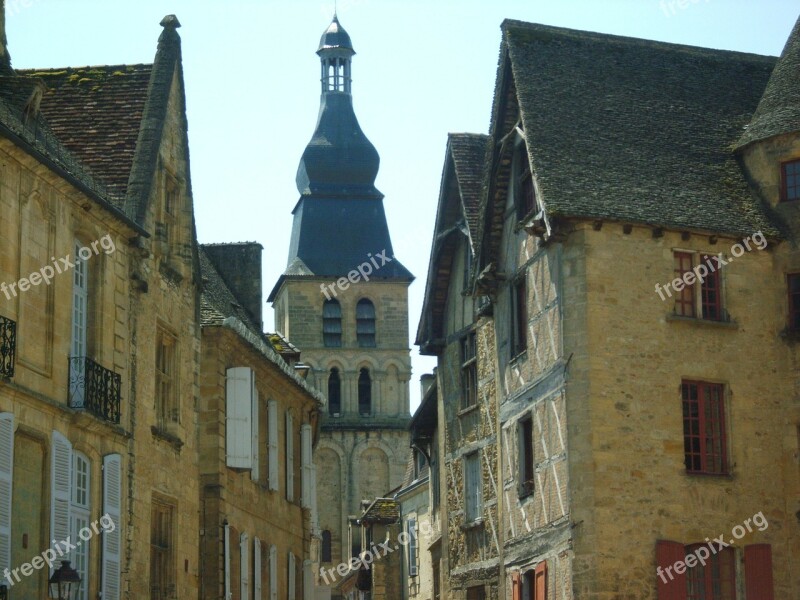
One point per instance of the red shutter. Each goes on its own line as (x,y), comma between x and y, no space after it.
(670,585)
(758,572)
(540,582)
(516,586)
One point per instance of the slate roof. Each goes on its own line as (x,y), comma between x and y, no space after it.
(468,151)
(217,302)
(635,130)
(779,109)
(96,112)
(382,510)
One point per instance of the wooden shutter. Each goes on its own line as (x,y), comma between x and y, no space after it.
(667,554)
(272,426)
(254,447)
(112,506)
(273,573)
(289,456)
(239,404)
(540,581)
(6,486)
(227,550)
(516,585)
(292,578)
(758,572)
(313,493)
(308,581)
(256,568)
(305,458)
(244,567)
(60,480)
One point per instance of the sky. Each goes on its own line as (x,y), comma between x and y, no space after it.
(422,69)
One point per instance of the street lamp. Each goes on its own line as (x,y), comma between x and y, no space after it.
(64,582)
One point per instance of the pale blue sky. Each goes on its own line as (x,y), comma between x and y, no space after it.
(422,69)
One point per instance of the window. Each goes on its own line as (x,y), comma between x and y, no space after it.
(166,379)
(289,456)
(476,593)
(327,546)
(689,266)
(412,548)
(716,580)
(80,516)
(334,393)
(526,467)
(525,192)
(162,561)
(365,323)
(793,282)
(244,566)
(704,427)
(469,371)
(790,181)
(472,487)
(519,315)
(364,393)
(272,444)
(80,326)
(332,324)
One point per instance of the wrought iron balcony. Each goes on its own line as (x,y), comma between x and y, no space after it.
(8,346)
(94,388)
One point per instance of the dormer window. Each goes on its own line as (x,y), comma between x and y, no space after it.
(790,181)
(524,190)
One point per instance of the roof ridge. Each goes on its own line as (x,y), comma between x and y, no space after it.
(80,68)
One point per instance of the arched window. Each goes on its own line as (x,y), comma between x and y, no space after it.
(326,546)
(332,324)
(364,393)
(334,393)
(365,323)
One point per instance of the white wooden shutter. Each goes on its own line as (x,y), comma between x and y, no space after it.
(6,486)
(308,581)
(292,578)
(244,568)
(305,458)
(227,549)
(313,493)
(256,568)
(254,447)
(239,404)
(112,540)
(273,573)
(289,456)
(60,480)
(272,426)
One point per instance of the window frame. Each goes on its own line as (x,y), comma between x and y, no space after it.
(80,517)
(473,514)
(698,298)
(469,370)
(705,574)
(166,376)
(527,466)
(719,437)
(160,507)
(795,162)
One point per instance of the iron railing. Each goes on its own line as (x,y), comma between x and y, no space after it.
(94,388)
(8,347)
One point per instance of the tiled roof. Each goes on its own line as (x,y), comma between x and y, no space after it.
(96,112)
(469,159)
(382,510)
(634,130)
(779,109)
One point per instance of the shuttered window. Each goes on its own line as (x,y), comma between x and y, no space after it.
(112,536)
(227,550)
(540,581)
(6,486)
(758,572)
(272,441)
(244,566)
(273,573)
(472,487)
(255,448)
(258,565)
(516,585)
(289,456)
(80,517)
(332,324)
(412,548)
(669,584)
(704,436)
(365,323)
(306,464)
(714,580)
(240,389)
(60,484)
(308,581)
(292,578)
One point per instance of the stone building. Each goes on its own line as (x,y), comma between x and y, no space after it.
(637,275)
(343,299)
(99,410)
(257,425)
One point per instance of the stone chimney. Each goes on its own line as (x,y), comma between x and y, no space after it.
(425,383)
(239,265)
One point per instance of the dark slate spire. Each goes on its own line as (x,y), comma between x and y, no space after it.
(778,111)
(339,222)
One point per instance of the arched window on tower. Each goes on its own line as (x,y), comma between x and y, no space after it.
(332,324)
(334,393)
(365,323)
(364,393)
